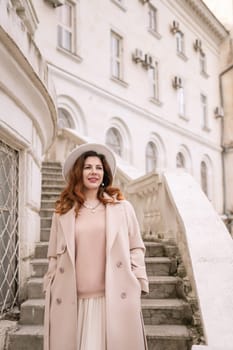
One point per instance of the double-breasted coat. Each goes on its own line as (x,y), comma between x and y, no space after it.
(125,278)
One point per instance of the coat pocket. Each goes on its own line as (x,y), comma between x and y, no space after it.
(61,248)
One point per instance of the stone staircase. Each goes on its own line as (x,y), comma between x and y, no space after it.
(166,313)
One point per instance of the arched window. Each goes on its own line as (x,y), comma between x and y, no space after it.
(180,160)
(151,157)
(64,119)
(204,178)
(114,140)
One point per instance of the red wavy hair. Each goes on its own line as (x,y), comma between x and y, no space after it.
(73,194)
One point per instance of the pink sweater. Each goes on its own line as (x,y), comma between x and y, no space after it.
(90,252)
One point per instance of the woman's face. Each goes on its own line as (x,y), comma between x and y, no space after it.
(93,173)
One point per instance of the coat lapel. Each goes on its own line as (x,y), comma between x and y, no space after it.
(68,226)
(113,220)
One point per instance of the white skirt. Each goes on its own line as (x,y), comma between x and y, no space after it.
(91,324)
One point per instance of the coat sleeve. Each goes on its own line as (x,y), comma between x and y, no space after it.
(51,253)
(137,248)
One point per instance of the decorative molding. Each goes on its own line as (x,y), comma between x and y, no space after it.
(202,12)
(121,5)
(26,11)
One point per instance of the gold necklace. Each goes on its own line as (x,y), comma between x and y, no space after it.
(88,206)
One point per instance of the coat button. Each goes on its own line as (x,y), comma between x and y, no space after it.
(58,301)
(123,295)
(61,270)
(119,264)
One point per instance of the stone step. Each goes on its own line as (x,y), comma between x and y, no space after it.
(52,188)
(32,312)
(51,175)
(161,287)
(168,337)
(155,312)
(45,222)
(48,163)
(154,249)
(159,266)
(164,287)
(44,234)
(41,250)
(39,267)
(166,311)
(35,288)
(56,181)
(53,196)
(46,213)
(48,204)
(158,337)
(51,167)
(26,338)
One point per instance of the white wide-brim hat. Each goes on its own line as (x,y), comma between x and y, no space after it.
(78,151)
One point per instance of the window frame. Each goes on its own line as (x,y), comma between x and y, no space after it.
(117,59)
(181,101)
(63,29)
(180,157)
(153,18)
(151,158)
(204,178)
(179,36)
(153,73)
(204,112)
(116,147)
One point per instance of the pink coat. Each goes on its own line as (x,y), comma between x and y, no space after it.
(125,278)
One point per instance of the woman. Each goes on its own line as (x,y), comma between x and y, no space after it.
(96,261)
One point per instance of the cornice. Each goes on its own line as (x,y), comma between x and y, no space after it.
(203,14)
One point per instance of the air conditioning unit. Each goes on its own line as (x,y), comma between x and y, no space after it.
(197,45)
(175,27)
(218,112)
(177,82)
(56,3)
(148,61)
(137,55)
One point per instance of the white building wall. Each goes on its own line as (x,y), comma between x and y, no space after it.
(86,79)
(27,125)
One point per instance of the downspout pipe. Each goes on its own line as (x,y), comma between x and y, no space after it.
(227,70)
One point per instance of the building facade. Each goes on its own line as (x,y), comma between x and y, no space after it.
(143,77)
(140,76)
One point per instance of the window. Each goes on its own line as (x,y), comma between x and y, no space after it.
(181,101)
(204,180)
(66,27)
(179,42)
(202,62)
(151,157)
(153,23)
(154,81)
(116,55)
(204,111)
(64,119)
(114,141)
(9,228)
(180,160)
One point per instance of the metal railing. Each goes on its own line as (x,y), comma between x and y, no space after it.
(9,242)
